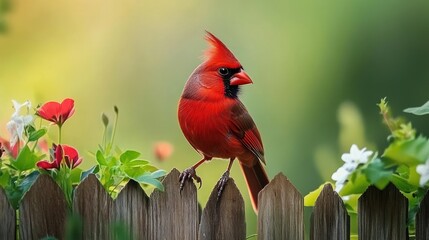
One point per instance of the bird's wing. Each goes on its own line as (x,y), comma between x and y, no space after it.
(245,130)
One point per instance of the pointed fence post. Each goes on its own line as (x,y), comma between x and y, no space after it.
(224,218)
(329,219)
(174,214)
(7,217)
(382,214)
(281,211)
(131,210)
(422,219)
(43,210)
(94,206)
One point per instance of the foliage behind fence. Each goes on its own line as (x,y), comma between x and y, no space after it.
(174,215)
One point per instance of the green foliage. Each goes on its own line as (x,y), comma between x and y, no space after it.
(422,110)
(398,165)
(116,167)
(26,159)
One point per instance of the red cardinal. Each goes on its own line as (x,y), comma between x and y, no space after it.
(216,123)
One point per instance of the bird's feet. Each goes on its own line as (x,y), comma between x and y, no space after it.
(222,183)
(190,174)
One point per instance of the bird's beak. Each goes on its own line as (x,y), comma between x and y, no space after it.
(240,78)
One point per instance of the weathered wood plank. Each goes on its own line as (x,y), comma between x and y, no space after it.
(174,215)
(131,209)
(224,218)
(281,211)
(7,217)
(382,214)
(43,210)
(422,219)
(94,205)
(329,219)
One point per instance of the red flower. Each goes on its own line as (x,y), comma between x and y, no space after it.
(58,153)
(57,112)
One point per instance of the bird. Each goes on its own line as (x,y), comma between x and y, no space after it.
(217,124)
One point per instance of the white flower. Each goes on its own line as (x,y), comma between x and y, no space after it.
(18,122)
(340,178)
(355,157)
(341,175)
(17,106)
(423,170)
(351,162)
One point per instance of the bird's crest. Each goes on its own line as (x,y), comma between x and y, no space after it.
(218,52)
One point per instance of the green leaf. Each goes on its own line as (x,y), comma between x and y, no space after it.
(75,175)
(100,158)
(36,135)
(377,173)
(422,110)
(158,173)
(26,159)
(402,184)
(411,152)
(358,185)
(311,197)
(4,178)
(147,179)
(129,155)
(28,182)
(151,179)
(136,163)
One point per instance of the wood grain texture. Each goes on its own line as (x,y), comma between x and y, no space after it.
(131,209)
(281,210)
(422,219)
(329,219)
(224,218)
(43,210)
(7,217)
(174,214)
(94,205)
(382,214)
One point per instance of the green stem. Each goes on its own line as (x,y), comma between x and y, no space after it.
(113,133)
(37,141)
(59,134)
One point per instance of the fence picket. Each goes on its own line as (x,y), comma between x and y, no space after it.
(174,214)
(422,219)
(329,219)
(281,210)
(382,214)
(43,210)
(224,218)
(7,217)
(94,205)
(131,210)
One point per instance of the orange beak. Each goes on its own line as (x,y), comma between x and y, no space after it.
(240,78)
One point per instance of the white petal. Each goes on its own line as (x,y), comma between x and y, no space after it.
(12,129)
(421,169)
(347,157)
(340,175)
(424,179)
(27,119)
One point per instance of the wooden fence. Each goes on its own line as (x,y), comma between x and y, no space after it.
(174,215)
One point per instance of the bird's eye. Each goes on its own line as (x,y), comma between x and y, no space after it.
(223,71)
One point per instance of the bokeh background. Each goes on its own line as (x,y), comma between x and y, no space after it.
(319,68)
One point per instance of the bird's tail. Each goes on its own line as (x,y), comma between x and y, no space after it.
(256,179)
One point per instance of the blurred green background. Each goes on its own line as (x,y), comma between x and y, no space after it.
(318,69)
